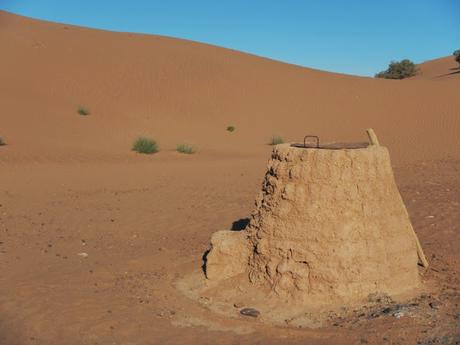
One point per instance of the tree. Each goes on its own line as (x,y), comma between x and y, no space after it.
(399,70)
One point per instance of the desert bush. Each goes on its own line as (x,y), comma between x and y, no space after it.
(457,55)
(276,140)
(2,142)
(185,148)
(83,111)
(231,128)
(399,70)
(145,145)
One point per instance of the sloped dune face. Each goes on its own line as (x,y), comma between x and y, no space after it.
(179,90)
(439,69)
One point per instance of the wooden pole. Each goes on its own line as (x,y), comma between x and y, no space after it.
(372,137)
(421,255)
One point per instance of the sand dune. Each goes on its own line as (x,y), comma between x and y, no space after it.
(177,90)
(70,184)
(443,68)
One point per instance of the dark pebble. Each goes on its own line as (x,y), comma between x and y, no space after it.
(434,305)
(250,312)
(386,311)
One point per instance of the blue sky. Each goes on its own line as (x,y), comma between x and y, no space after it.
(348,36)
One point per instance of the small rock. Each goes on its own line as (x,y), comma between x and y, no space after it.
(250,312)
(434,304)
(83,255)
(238,305)
(386,310)
(398,314)
(204,300)
(380,298)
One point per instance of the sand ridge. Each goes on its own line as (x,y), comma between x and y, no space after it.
(183,91)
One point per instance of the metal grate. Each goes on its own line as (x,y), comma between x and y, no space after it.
(313,142)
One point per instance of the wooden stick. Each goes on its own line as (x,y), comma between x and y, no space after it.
(372,137)
(420,253)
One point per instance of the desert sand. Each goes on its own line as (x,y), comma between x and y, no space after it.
(96,241)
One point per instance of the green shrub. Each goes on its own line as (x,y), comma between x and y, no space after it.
(2,142)
(145,145)
(231,128)
(399,70)
(185,148)
(457,55)
(276,140)
(83,111)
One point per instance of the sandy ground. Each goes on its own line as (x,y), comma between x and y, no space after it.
(70,185)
